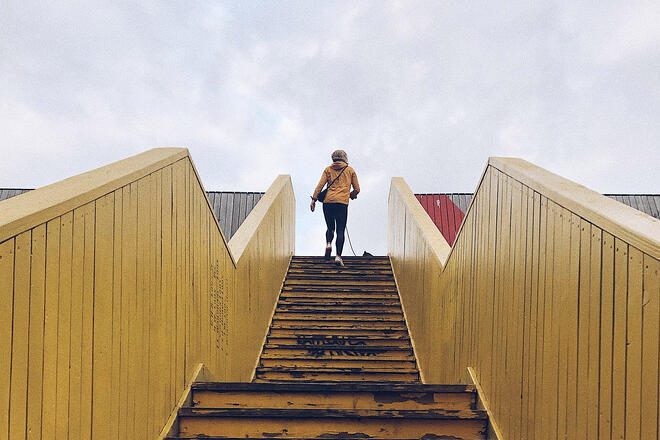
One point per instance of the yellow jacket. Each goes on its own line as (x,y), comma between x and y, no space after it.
(340,191)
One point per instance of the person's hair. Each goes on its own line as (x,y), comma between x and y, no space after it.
(339,155)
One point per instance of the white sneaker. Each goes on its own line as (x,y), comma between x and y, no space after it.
(328,251)
(339,261)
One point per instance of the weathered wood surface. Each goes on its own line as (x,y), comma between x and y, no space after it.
(550,294)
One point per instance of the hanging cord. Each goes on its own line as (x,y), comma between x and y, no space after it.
(349,242)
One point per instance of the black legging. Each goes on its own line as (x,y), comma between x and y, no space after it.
(335,213)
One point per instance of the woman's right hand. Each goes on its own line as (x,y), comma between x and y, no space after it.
(312,205)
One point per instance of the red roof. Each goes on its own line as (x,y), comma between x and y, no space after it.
(446,215)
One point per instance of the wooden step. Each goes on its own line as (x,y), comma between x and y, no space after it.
(335,340)
(338,331)
(328,423)
(339,296)
(339,325)
(288,316)
(391,289)
(302,281)
(347,362)
(340,396)
(330,351)
(336,374)
(352,271)
(347,302)
(337,311)
(315,259)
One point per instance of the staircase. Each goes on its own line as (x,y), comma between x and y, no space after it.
(337,324)
(337,363)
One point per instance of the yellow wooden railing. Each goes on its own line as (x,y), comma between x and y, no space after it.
(116,284)
(550,296)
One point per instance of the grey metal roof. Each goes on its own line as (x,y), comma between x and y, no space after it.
(230,208)
(647,203)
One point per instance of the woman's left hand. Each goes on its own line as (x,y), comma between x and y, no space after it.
(312,205)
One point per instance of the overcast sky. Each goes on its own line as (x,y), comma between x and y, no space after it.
(423,90)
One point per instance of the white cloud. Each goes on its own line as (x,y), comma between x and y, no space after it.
(424,90)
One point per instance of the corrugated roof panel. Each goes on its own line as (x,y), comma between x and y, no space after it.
(222,202)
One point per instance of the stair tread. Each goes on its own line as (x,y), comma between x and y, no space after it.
(359,386)
(334,413)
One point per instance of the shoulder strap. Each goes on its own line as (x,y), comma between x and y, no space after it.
(335,179)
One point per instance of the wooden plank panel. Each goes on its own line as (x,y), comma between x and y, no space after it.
(179,206)
(535,323)
(130,342)
(87,324)
(168,284)
(51,317)
(141,310)
(159,412)
(550,333)
(102,309)
(20,329)
(650,347)
(572,312)
(115,371)
(6,310)
(593,380)
(584,323)
(606,340)
(36,333)
(619,349)
(542,317)
(633,397)
(564,319)
(150,301)
(64,327)
(514,324)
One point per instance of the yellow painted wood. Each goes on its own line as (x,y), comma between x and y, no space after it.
(51,317)
(36,332)
(606,339)
(116,349)
(102,322)
(124,291)
(64,327)
(650,345)
(87,323)
(76,329)
(593,333)
(6,310)
(634,322)
(19,355)
(619,342)
(633,226)
(39,206)
(544,294)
